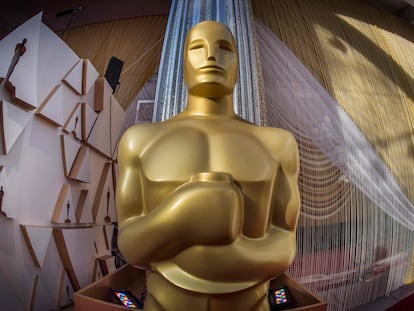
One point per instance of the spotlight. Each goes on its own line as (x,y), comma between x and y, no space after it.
(72,13)
(69,11)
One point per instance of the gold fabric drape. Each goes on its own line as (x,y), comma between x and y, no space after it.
(136,41)
(364,58)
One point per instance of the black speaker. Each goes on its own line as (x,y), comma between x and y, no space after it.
(113,71)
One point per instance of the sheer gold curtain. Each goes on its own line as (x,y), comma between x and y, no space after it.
(136,41)
(364,58)
(349,250)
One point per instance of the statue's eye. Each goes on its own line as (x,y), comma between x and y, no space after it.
(225,45)
(196,45)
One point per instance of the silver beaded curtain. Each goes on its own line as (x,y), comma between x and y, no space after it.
(171,91)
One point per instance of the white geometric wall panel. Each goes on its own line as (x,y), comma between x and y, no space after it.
(70,148)
(61,213)
(108,233)
(24,76)
(117,121)
(83,208)
(46,60)
(90,74)
(115,172)
(65,298)
(34,177)
(74,122)
(6,207)
(52,107)
(13,121)
(55,59)
(75,76)
(103,92)
(104,202)
(89,117)
(37,239)
(100,138)
(90,243)
(70,99)
(81,167)
(49,280)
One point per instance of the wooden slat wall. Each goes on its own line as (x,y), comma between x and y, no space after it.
(136,41)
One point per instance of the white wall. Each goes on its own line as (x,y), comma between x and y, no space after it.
(32,172)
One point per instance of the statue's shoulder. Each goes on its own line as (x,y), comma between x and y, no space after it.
(137,137)
(279,140)
(138,131)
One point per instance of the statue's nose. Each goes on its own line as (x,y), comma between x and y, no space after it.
(211,52)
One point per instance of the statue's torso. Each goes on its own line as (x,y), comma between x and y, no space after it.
(168,154)
(181,148)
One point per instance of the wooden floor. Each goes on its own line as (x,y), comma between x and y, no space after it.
(385,302)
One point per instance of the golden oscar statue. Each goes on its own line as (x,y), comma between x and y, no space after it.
(207,202)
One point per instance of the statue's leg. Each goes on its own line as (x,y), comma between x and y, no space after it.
(163,295)
(262,305)
(251,299)
(152,305)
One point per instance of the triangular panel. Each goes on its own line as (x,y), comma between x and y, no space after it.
(88,242)
(89,98)
(65,296)
(117,121)
(64,211)
(100,138)
(71,100)
(70,149)
(103,92)
(99,192)
(104,202)
(6,209)
(90,74)
(52,107)
(74,122)
(37,240)
(89,117)
(81,167)
(108,231)
(97,271)
(24,75)
(55,60)
(74,77)
(83,211)
(13,121)
(115,173)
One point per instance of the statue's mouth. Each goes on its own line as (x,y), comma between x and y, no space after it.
(211,68)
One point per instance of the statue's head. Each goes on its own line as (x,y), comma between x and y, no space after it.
(210,60)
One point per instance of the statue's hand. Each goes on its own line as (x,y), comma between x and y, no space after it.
(208,209)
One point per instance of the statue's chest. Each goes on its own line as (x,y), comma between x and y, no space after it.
(180,153)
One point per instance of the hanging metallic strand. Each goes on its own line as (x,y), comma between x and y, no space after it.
(355,233)
(171,91)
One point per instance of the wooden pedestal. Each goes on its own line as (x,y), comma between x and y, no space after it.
(303,299)
(97,296)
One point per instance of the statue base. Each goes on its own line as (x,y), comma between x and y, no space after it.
(302,298)
(98,296)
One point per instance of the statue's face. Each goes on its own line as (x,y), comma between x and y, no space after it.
(210,60)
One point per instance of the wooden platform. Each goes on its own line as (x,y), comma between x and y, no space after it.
(97,296)
(303,299)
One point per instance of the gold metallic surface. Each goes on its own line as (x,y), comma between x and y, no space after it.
(207,202)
